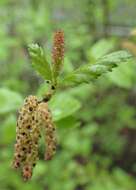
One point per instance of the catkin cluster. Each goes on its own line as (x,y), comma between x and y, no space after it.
(33,116)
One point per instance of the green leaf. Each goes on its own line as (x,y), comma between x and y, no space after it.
(43,88)
(63,105)
(8,130)
(100,48)
(124,75)
(39,62)
(67,122)
(89,73)
(9,100)
(113,59)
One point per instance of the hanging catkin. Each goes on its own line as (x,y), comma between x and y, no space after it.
(27,136)
(49,130)
(33,116)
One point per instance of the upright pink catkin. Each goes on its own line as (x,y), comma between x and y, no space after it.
(58,46)
(58,51)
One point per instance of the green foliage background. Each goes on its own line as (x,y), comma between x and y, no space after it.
(95,122)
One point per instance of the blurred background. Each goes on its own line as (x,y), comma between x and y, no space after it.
(96,123)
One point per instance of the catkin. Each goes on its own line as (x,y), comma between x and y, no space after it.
(27,136)
(58,52)
(49,130)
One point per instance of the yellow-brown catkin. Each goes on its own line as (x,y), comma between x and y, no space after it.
(58,51)
(27,136)
(49,130)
